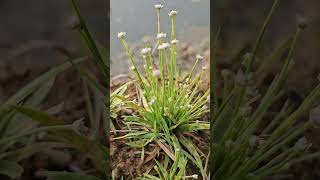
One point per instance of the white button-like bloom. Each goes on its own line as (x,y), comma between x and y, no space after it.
(161,35)
(173,13)
(145,51)
(132,68)
(199,57)
(158,6)
(152,101)
(121,34)
(150,67)
(163,46)
(145,66)
(195,176)
(156,73)
(175,41)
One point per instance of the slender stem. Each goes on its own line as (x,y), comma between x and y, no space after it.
(261,34)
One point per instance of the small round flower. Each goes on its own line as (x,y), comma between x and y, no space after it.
(189,106)
(163,46)
(178,149)
(145,51)
(150,67)
(158,6)
(302,21)
(156,73)
(132,68)
(173,13)
(199,57)
(121,35)
(175,41)
(145,66)
(161,35)
(195,176)
(152,101)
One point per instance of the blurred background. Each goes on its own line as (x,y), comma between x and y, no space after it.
(30,31)
(241,21)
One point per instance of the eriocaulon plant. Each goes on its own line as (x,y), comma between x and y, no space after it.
(168,106)
(242,146)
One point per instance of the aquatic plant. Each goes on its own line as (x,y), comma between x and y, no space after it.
(168,106)
(242,146)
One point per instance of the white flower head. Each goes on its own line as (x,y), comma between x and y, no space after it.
(145,66)
(195,176)
(199,57)
(156,73)
(158,6)
(152,101)
(132,68)
(175,41)
(150,67)
(173,13)
(145,51)
(161,35)
(121,35)
(163,46)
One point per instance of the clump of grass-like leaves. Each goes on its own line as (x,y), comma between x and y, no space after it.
(168,106)
(242,146)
